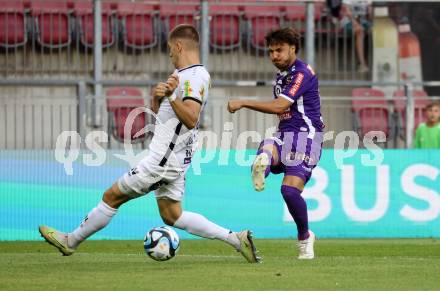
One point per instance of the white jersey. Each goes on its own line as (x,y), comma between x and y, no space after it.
(173,142)
(359,8)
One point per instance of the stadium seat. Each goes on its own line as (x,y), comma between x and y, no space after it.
(174,14)
(83,11)
(261,20)
(370,114)
(120,102)
(51,23)
(296,15)
(12,24)
(224,26)
(138,24)
(421,100)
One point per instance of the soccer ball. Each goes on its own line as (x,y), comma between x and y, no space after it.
(161,243)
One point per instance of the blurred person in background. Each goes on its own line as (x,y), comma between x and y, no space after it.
(425,23)
(428,133)
(355,17)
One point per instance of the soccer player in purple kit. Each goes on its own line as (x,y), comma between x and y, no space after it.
(296,147)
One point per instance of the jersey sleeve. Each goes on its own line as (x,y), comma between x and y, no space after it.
(296,88)
(193,89)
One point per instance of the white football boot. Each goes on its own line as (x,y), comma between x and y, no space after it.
(305,247)
(247,246)
(56,238)
(258,171)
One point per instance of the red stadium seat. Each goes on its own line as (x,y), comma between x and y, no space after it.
(296,15)
(421,100)
(370,114)
(138,24)
(52,25)
(224,26)
(174,14)
(12,24)
(120,102)
(261,20)
(83,11)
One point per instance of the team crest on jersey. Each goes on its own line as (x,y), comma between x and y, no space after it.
(187,88)
(278,90)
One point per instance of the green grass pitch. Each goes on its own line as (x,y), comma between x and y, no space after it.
(394,264)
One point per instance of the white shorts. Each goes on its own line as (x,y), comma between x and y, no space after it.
(167,182)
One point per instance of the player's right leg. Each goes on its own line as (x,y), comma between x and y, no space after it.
(133,184)
(172,214)
(267,156)
(95,220)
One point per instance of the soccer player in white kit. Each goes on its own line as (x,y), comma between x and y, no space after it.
(182,98)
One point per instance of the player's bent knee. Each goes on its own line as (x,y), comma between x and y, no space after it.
(168,220)
(169,216)
(169,210)
(114,198)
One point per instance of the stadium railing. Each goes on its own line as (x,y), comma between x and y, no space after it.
(31,119)
(46,39)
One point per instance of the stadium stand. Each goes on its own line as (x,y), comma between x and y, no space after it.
(12,24)
(260,20)
(52,27)
(296,15)
(120,102)
(421,100)
(83,12)
(370,114)
(225,26)
(139,24)
(171,15)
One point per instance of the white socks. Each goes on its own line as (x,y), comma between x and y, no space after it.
(98,218)
(197,224)
(193,223)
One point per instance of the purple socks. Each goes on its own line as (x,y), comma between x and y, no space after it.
(298,209)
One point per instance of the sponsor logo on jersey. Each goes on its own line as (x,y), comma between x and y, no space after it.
(285,115)
(298,82)
(297,156)
(187,89)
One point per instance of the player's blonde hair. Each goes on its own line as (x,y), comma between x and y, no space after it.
(185,32)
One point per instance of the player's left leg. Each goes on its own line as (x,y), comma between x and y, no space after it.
(267,157)
(194,223)
(291,190)
(299,162)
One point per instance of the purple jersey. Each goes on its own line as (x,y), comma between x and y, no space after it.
(299,85)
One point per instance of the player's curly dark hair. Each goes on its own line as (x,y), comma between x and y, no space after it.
(284,35)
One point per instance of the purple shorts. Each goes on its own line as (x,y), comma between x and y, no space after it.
(298,153)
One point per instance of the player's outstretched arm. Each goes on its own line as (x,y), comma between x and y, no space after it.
(275,106)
